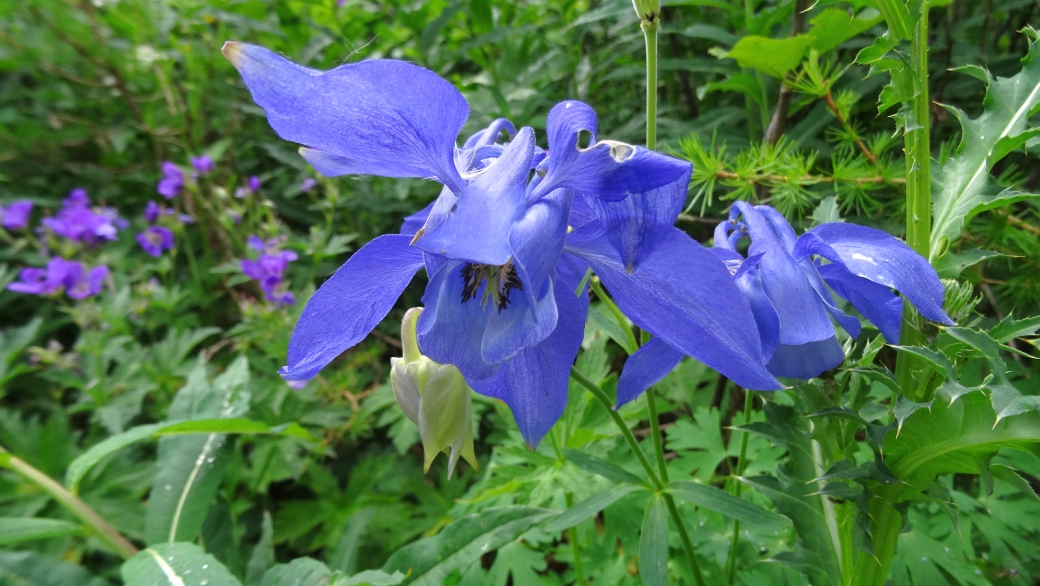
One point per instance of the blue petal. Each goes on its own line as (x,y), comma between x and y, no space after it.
(525,323)
(803,318)
(414,222)
(879,257)
(491,134)
(477,226)
(876,302)
(805,361)
(534,383)
(684,295)
(648,365)
(450,331)
(350,304)
(379,117)
(608,170)
(536,240)
(636,224)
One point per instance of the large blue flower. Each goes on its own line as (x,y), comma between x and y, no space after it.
(788,291)
(502,303)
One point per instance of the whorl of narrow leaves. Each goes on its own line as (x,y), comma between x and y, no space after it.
(966,187)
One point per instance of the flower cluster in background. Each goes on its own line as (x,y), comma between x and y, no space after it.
(15,215)
(155,239)
(269,269)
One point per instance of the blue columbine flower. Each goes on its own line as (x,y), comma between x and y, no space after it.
(505,252)
(789,294)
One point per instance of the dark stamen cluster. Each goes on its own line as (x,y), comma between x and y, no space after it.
(509,280)
(472,276)
(503,279)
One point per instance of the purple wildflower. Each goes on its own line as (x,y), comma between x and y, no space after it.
(172,181)
(254,184)
(269,270)
(42,281)
(76,221)
(151,212)
(308,184)
(203,164)
(16,214)
(155,239)
(81,283)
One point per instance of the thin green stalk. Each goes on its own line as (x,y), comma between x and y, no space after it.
(101,529)
(731,561)
(655,433)
(918,199)
(597,392)
(616,311)
(650,34)
(691,555)
(572,534)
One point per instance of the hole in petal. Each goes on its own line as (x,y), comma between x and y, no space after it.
(584,139)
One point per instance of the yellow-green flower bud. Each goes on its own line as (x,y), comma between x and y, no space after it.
(647,10)
(435,397)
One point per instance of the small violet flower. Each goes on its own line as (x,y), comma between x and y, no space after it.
(506,250)
(15,215)
(203,165)
(172,181)
(269,269)
(308,184)
(59,273)
(254,184)
(155,239)
(77,221)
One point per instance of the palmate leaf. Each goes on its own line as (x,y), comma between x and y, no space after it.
(965,186)
(190,467)
(429,561)
(955,438)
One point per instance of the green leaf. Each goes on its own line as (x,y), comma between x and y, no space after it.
(967,188)
(262,559)
(19,529)
(12,343)
(590,507)
(952,438)
(175,564)
(1005,398)
(720,501)
(771,56)
(429,561)
(1012,477)
(518,562)
(81,465)
(833,27)
(29,568)
(877,51)
(1009,328)
(371,578)
(936,360)
(299,572)
(653,544)
(827,211)
(601,467)
(190,467)
(950,265)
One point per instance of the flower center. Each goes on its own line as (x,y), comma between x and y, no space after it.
(501,281)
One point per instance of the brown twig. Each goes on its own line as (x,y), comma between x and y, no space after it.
(778,124)
(828,99)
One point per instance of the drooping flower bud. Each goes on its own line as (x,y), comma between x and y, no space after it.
(435,397)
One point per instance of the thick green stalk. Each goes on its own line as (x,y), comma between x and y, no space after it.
(918,199)
(731,561)
(886,523)
(655,434)
(650,34)
(105,533)
(684,537)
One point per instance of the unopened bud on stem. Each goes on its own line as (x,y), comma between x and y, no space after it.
(435,397)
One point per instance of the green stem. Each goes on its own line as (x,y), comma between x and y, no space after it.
(597,392)
(655,433)
(885,526)
(616,312)
(572,534)
(102,530)
(731,561)
(918,199)
(650,34)
(691,554)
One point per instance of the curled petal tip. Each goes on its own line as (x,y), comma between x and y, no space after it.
(232,50)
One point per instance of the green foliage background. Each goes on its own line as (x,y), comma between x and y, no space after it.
(98,93)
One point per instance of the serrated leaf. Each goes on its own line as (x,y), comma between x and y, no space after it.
(950,265)
(875,52)
(833,27)
(1005,398)
(19,529)
(720,501)
(190,468)
(175,564)
(653,543)
(429,561)
(774,57)
(599,466)
(30,568)
(967,188)
(1012,477)
(936,360)
(590,507)
(905,408)
(952,438)
(1009,328)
